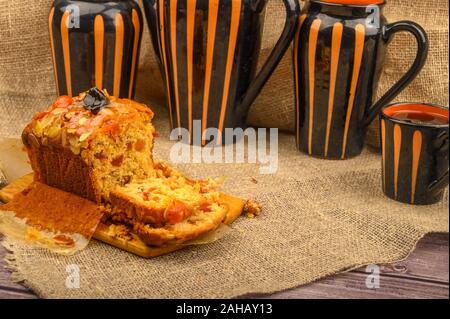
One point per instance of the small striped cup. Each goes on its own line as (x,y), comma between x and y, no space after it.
(415,145)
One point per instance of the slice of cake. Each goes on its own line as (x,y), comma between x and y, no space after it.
(196,225)
(168,198)
(91,143)
(169,208)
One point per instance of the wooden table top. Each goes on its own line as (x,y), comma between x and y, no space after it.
(423,275)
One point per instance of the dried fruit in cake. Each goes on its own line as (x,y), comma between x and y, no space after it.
(198,224)
(169,208)
(160,201)
(91,143)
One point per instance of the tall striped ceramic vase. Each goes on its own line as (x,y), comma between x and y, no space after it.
(95,43)
(209,54)
(338,57)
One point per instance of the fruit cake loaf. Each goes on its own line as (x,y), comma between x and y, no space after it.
(91,143)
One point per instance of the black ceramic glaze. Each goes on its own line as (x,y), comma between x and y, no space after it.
(209,53)
(338,56)
(95,43)
(415,156)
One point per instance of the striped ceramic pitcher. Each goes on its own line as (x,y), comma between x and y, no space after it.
(209,52)
(338,56)
(95,43)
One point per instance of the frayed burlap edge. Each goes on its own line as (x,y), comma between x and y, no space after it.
(16,276)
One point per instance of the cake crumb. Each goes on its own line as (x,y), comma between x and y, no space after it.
(3,180)
(252,208)
(254,180)
(119,232)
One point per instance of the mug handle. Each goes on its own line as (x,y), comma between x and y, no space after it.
(421,56)
(439,184)
(442,181)
(255,87)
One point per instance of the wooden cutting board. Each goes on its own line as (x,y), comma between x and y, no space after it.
(120,236)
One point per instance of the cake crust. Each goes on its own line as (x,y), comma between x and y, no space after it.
(87,152)
(60,168)
(195,226)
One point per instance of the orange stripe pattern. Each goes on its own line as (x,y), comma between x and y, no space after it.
(313,35)
(118,55)
(213,10)
(173,45)
(383,151)
(181,57)
(137,30)
(402,148)
(190,52)
(416,151)
(112,46)
(359,47)
(52,44)
(66,50)
(397,148)
(99,36)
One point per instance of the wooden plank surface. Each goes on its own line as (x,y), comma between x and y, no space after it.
(425,274)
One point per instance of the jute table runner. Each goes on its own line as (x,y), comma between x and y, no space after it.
(319,218)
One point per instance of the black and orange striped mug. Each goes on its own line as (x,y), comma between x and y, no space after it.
(415,145)
(209,51)
(338,57)
(95,43)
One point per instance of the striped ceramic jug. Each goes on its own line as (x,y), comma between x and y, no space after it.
(209,52)
(338,57)
(95,43)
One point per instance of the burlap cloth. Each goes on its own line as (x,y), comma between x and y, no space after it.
(320,217)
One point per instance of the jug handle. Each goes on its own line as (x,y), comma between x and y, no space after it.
(421,56)
(290,26)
